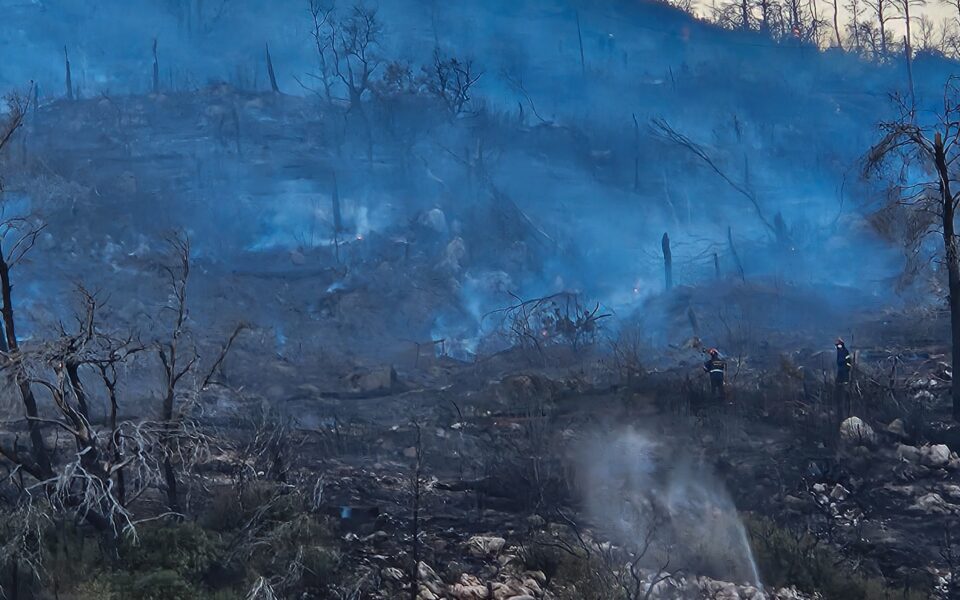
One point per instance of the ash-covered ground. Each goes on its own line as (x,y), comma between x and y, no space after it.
(445,337)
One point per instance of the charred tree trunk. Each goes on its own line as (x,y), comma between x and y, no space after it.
(270,72)
(836,23)
(169,474)
(111,384)
(40,453)
(73,375)
(636,154)
(736,257)
(69,79)
(953,266)
(156,69)
(415,521)
(337,216)
(583,62)
(908,52)
(716,265)
(667,261)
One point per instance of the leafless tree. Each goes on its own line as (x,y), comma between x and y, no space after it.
(955,4)
(855,10)
(767,14)
(355,39)
(451,79)
(835,8)
(883,12)
(666,132)
(322,31)
(902,8)
(175,366)
(932,202)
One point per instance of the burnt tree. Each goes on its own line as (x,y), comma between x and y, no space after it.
(931,204)
(667,261)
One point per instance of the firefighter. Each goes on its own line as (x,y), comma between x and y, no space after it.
(716,367)
(844,362)
(844,366)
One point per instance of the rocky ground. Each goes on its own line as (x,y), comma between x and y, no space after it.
(498,451)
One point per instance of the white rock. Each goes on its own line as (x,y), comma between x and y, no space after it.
(839,493)
(453,254)
(538,576)
(426,594)
(393,573)
(426,574)
(482,545)
(434,219)
(935,456)
(908,453)
(854,431)
(933,504)
(897,428)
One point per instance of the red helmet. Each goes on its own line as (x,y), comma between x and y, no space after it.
(839,342)
(713,352)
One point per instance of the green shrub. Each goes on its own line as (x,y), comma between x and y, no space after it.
(99,588)
(183,548)
(230,509)
(792,558)
(571,574)
(160,585)
(319,566)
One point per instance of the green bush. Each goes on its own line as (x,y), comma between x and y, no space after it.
(183,548)
(319,566)
(571,574)
(792,558)
(230,509)
(160,585)
(99,588)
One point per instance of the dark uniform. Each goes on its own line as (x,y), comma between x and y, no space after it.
(844,363)
(844,367)
(716,367)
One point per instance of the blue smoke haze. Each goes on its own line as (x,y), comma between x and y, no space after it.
(559,141)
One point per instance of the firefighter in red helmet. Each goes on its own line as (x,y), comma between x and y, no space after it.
(716,368)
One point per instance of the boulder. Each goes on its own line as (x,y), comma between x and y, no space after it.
(908,453)
(381,379)
(435,220)
(897,428)
(482,545)
(469,588)
(298,258)
(855,432)
(936,456)
(933,504)
(839,493)
(538,576)
(426,574)
(454,254)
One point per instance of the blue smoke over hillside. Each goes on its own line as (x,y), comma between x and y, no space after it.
(559,152)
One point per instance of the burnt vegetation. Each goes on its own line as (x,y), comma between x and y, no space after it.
(414,384)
